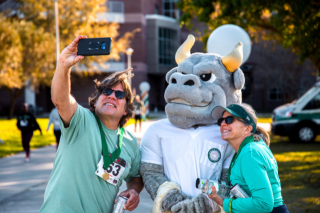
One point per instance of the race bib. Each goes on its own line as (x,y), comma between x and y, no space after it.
(137,112)
(23,122)
(114,171)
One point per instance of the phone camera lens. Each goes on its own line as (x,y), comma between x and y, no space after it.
(103,45)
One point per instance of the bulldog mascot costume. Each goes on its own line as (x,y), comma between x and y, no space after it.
(188,145)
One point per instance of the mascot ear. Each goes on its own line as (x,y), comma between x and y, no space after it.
(170,73)
(238,79)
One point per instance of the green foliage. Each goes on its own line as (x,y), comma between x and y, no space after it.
(38,64)
(26,52)
(10,54)
(294,24)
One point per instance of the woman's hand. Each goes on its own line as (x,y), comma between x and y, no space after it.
(68,56)
(215,197)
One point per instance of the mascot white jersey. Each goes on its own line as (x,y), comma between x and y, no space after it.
(188,145)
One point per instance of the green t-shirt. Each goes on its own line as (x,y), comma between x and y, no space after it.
(256,172)
(73,185)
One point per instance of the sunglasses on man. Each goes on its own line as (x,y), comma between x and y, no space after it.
(119,94)
(229,120)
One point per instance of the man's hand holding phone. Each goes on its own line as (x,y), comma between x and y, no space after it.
(68,56)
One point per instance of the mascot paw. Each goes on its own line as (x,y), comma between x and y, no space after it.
(199,204)
(172,198)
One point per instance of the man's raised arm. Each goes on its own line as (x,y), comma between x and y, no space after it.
(61,85)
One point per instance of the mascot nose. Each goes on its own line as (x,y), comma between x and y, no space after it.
(186,80)
(189,83)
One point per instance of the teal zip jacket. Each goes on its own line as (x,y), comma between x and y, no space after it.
(256,171)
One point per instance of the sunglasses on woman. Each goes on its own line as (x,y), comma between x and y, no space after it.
(229,120)
(119,94)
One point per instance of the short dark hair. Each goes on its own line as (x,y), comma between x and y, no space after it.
(109,82)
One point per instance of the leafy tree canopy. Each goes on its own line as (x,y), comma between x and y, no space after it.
(27,40)
(294,24)
(10,55)
(77,17)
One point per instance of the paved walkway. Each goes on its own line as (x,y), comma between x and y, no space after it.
(22,185)
(19,181)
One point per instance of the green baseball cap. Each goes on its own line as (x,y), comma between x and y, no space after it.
(236,110)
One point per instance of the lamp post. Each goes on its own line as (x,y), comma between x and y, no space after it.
(129,52)
(56,15)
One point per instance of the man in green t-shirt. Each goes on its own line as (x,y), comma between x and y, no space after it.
(95,153)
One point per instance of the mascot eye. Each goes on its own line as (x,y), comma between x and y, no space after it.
(208,77)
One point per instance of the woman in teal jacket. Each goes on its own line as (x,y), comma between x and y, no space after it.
(253,167)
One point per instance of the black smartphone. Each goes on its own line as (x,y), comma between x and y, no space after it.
(94,46)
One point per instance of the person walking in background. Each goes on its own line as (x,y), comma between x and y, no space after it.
(27,123)
(54,119)
(139,106)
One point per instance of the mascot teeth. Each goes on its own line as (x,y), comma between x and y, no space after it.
(181,101)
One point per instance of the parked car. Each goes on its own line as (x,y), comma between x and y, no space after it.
(300,120)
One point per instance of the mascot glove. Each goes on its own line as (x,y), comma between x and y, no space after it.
(172,198)
(199,204)
(162,192)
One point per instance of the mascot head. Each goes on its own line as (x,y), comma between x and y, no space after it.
(201,82)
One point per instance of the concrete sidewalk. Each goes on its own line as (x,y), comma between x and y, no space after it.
(20,182)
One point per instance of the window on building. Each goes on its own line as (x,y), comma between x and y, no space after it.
(314,103)
(167,46)
(274,94)
(170,9)
(115,6)
(156,9)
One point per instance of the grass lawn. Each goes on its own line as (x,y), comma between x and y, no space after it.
(299,164)
(10,134)
(264,120)
(299,171)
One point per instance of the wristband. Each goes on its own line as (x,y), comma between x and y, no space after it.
(230,205)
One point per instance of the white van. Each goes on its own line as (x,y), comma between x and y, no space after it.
(300,120)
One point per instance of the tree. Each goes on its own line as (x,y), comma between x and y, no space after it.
(28,41)
(10,55)
(28,59)
(294,24)
(79,17)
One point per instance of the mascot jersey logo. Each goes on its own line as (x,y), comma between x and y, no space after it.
(188,145)
(214,155)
